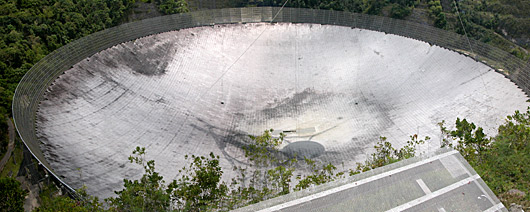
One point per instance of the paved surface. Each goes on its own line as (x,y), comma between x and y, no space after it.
(31,201)
(443,182)
(11,145)
(202,90)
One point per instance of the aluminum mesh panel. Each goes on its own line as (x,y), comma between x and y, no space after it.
(30,90)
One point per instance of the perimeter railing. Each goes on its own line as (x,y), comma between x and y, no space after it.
(34,84)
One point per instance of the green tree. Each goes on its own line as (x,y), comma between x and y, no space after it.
(267,176)
(471,141)
(32,29)
(506,164)
(502,161)
(281,179)
(399,11)
(83,203)
(200,187)
(373,7)
(11,195)
(319,175)
(386,154)
(146,194)
(263,149)
(171,6)
(435,12)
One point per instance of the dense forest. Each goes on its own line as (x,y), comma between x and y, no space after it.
(30,29)
(504,24)
(33,28)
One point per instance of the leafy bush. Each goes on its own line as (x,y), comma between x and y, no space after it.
(435,11)
(147,194)
(11,195)
(400,11)
(50,202)
(386,154)
(200,187)
(171,6)
(502,161)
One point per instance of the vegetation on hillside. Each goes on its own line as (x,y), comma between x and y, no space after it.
(52,202)
(503,161)
(372,7)
(496,22)
(30,29)
(11,195)
(172,6)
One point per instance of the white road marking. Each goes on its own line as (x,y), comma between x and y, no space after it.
(356,183)
(454,167)
(435,194)
(496,207)
(423,186)
(441,210)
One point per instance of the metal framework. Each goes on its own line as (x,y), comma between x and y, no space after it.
(34,84)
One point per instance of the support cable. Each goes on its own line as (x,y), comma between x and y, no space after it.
(242,54)
(471,48)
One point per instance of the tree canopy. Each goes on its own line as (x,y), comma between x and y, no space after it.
(11,195)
